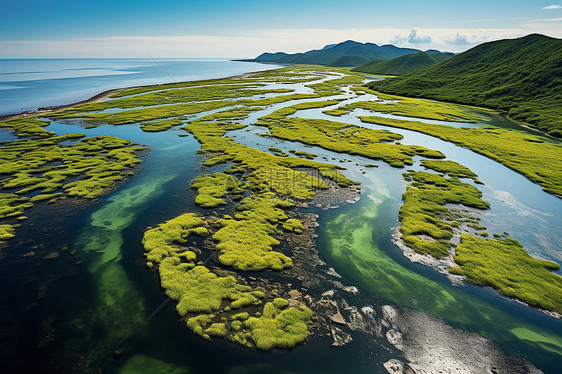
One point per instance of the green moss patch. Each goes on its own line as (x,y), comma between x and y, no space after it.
(86,168)
(161,125)
(345,138)
(293,225)
(540,162)
(411,107)
(507,267)
(279,327)
(204,298)
(424,209)
(212,188)
(451,168)
(31,127)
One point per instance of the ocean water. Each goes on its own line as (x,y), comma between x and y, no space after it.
(28,84)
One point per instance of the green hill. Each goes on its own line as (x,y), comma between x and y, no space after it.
(403,64)
(522,76)
(348,61)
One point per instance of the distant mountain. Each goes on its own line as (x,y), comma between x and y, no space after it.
(353,52)
(522,76)
(403,64)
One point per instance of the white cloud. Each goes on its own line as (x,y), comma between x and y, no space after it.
(412,38)
(548,20)
(251,45)
(553,7)
(460,39)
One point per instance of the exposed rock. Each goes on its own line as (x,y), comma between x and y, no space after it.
(338,318)
(51,256)
(388,315)
(352,290)
(394,366)
(364,321)
(340,338)
(295,294)
(395,338)
(333,273)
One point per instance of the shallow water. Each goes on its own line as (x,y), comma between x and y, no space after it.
(109,312)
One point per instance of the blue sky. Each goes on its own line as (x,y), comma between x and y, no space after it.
(169,28)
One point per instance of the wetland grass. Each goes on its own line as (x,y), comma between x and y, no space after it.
(504,265)
(539,161)
(411,107)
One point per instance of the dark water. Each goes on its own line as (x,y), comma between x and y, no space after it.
(102,309)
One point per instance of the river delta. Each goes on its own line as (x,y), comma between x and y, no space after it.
(291,220)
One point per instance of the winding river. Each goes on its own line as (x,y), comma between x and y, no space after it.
(100,307)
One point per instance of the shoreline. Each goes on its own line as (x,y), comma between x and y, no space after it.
(105,94)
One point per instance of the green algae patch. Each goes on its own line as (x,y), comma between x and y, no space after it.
(310,156)
(451,168)
(28,127)
(277,152)
(412,107)
(538,161)
(290,110)
(550,343)
(162,125)
(424,211)
(167,86)
(144,114)
(507,267)
(246,242)
(278,327)
(201,291)
(7,232)
(334,86)
(205,298)
(293,225)
(45,167)
(278,99)
(170,96)
(195,288)
(212,188)
(346,138)
(161,242)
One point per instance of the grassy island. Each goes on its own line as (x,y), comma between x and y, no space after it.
(424,211)
(344,138)
(427,225)
(220,306)
(411,107)
(44,167)
(507,267)
(539,161)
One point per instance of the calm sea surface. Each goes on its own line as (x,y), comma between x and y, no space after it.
(27,84)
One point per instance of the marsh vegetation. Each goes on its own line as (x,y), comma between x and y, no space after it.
(217,259)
